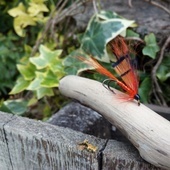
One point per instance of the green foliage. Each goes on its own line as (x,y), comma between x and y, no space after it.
(41,73)
(163,72)
(12,47)
(18,107)
(131,33)
(151,47)
(145,89)
(9,55)
(38,76)
(24,17)
(101,29)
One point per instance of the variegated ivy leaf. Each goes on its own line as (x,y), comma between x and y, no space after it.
(21,19)
(73,65)
(101,29)
(43,91)
(27,70)
(47,58)
(36,8)
(19,10)
(21,85)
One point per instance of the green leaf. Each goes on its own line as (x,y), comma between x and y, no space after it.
(73,65)
(18,107)
(21,85)
(46,58)
(163,72)
(131,33)
(32,101)
(105,15)
(21,22)
(36,83)
(27,71)
(151,47)
(36,8)
(50,79)
(41,92)
(100,31)
(17,11)
(145,89)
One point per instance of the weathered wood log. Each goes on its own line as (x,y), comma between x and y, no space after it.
(148,131)
(29,144)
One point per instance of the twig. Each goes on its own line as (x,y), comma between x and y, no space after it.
(135,39)
(153,3)
(130,3)
(165,111)
(158,90)
(159,5)
(147,131)
(70,11)
(94,6)
(53,20)
(46,29)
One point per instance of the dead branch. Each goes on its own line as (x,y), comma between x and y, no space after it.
(148,131)
(157,90)
(57,17)
(158,5)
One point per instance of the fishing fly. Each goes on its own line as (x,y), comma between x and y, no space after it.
(123,67)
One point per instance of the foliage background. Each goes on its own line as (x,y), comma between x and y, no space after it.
(39,41)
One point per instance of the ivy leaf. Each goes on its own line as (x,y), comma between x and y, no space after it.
(108,15)
(36,83)
(144,89)
(151,47)
(21,19)
(21,85)
(43,91)
(50,79)
(27,71)
(46,58)
(36,8)
(21,22)
(18,107)
(101,29)
(131,33)
(73,65)
(163,72)
(17,11)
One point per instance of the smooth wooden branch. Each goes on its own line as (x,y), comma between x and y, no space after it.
(148,131)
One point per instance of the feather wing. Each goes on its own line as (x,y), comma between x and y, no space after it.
(123,66)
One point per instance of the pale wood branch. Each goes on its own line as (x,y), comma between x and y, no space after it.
(148,131)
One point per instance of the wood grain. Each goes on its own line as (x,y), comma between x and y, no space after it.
(148,131)
(5,161)
(27,144)
(37,145)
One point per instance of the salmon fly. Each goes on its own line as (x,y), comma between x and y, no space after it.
(123,67)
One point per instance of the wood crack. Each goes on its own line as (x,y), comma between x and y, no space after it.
(6,139)
(100,155)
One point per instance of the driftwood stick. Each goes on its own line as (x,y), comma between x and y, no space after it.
(148,131)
